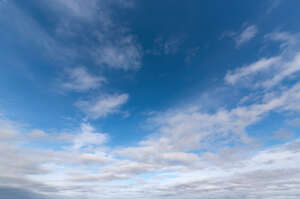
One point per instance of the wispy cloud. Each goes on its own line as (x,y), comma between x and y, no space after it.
(109,43)
(272,5)
(189,152)
(112,44)
(122,53)
(242,73)
(269,72)
(193,129)
(78,79)
(103,105)
(228,155)
(246,35)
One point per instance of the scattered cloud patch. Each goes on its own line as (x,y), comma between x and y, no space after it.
(272,5)
(246,35)
(189,152)
(123,53)
(288,41)
(78,79)
(88,137)
(272,71)
(109,43)
(244,72)
(103,105)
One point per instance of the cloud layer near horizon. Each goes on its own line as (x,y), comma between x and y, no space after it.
(188,152)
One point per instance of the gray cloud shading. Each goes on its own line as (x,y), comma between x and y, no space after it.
(18,193)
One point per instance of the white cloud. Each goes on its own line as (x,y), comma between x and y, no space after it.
(244,72)
(246,35)
(112,45)
(180,131)
(88,137)
(39,169)
(270,72)
(78,79)
(288,41)
(103,105)
(108,43)
(165,163)
(287,70)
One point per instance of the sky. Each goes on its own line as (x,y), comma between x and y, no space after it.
(129,99)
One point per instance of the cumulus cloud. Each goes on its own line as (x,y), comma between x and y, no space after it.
(103,105)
